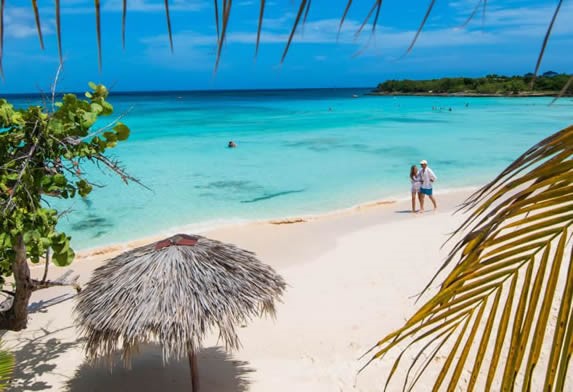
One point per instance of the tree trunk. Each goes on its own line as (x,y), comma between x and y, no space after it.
(16,318)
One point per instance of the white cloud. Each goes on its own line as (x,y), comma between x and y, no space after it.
(19,23)
(155,5)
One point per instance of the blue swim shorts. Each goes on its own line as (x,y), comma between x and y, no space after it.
(426,191)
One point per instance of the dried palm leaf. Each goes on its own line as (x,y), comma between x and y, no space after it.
(512,272)
(545,41)
(169,25)
(98,31)
(473,14)
(38,24)
(426,16)
(563,90)
(343,17)
(226,14)
(261,16)
(123,20)
(59,31)
(2,4)
(295,24)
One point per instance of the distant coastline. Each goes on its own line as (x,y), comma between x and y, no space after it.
(549,84)
(470,94)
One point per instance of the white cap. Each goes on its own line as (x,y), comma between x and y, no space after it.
(423,162)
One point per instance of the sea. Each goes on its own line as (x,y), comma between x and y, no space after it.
(299,153)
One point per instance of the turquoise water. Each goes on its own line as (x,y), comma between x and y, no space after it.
(299,152)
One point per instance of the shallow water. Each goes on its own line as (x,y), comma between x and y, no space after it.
(299,152)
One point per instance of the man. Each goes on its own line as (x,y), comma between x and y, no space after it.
(427,177)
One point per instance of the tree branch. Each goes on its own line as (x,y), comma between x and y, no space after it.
(61,281)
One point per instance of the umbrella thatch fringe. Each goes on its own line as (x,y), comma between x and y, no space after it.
(174,296)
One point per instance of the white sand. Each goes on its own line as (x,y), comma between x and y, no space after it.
(351,280)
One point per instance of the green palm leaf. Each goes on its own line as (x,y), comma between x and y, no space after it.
(510,275)
(6,367)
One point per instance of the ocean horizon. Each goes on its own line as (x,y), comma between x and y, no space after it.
(299,152)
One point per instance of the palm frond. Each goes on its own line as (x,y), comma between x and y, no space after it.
(216,3)
(123,22)
(510,275)
(343,17)
(38,24)
(306,12)
(295,24)
(372,9)
(545,41)
(6,367)
(473,14)
(168,17)
(2,4)
(426,16)
(378,8)
(98,31)
(226,14)
(563,90)
(59,30)
(260,26)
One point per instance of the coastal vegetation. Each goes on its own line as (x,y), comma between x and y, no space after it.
(550,83)
(42,155)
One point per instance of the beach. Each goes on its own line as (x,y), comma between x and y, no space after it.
(352,277)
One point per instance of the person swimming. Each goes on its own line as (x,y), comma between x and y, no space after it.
(232,144)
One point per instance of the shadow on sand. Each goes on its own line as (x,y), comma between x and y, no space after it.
(218,372)
(34,357)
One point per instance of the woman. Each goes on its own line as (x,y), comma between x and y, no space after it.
(416,183)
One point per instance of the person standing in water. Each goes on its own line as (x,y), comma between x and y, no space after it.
(416,183)
(427,177)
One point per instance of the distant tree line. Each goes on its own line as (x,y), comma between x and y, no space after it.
(549,82)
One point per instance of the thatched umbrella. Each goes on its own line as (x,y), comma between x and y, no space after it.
(173,292)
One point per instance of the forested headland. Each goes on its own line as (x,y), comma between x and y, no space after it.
(550,83)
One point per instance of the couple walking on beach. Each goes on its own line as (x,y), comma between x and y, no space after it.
(422,181)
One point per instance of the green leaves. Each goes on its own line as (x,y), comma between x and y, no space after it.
(6,367)
(512,275)
(63,255)
(42,155)
(122,131)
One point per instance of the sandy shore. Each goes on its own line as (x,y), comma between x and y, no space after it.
(351,280)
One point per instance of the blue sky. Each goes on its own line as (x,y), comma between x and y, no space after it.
(506,41)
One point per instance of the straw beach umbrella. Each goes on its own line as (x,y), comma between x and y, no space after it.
(174,292)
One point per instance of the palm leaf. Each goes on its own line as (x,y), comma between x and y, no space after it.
(260,26)
(545,41)
(293,30)
(343,17)
(59,30)
(509,275)
(6,367)
(123,21)
(168,17)
(38,24)
(217,17)
(98,31)
(2,4)
(226,15)
(473,14)
(426,16)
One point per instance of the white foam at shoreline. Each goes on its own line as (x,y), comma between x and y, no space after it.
(205,227)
